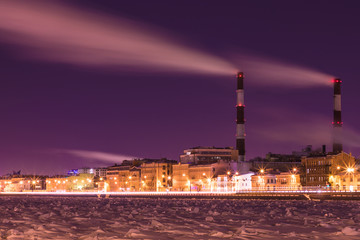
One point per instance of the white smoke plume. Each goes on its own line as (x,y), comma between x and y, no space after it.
(52,31)
(269,72)
(97,156)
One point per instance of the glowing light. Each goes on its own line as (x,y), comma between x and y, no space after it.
(338,167)
(350,170)
(129,177)
(21,182)
(33,182)
(237,173)
(203,174)
(184,175)
(262,170)
(169,177)
(144,176)
(101,179)
(228,173)
(294,169)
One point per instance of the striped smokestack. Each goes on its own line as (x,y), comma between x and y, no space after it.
(240,121)
(337,123)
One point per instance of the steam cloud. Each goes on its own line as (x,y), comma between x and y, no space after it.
(60,33)
(268,72)
(99,156)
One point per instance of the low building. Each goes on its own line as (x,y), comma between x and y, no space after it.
(57,184)
(223,183)
(123,178)
(348,180)
(98,172)
(156,175)
(17,184)
(288,181)
(242,182)
(318,169)
(81,182)
(208,155)
(263,182)
(200,177)
(181,180)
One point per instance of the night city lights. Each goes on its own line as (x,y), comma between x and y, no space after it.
(127,120)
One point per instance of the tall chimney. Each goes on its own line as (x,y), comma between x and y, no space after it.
(240,121)
(337,123)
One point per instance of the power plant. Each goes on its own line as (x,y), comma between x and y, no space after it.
(240,117)
(337,123)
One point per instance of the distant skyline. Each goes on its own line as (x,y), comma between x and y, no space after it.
(149,79)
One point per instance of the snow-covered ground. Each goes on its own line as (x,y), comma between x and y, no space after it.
(123,218)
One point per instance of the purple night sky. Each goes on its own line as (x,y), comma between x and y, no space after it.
(152,78)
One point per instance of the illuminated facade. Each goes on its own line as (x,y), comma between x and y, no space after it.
(203,177)
(288,181)
(242,182)
(317,170)
(81,182)
(157,175)
(346,181)
(263,182)
(123,178)
(181,180)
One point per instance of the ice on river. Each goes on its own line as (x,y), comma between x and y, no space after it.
(134,218)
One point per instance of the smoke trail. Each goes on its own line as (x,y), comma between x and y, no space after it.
(60,33)
(269,72)
(98,156)
(64,34)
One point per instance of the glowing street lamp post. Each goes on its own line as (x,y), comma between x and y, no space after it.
(351,170)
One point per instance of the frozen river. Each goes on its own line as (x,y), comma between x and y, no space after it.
(41,217)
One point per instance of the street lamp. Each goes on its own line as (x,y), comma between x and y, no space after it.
(351,170)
